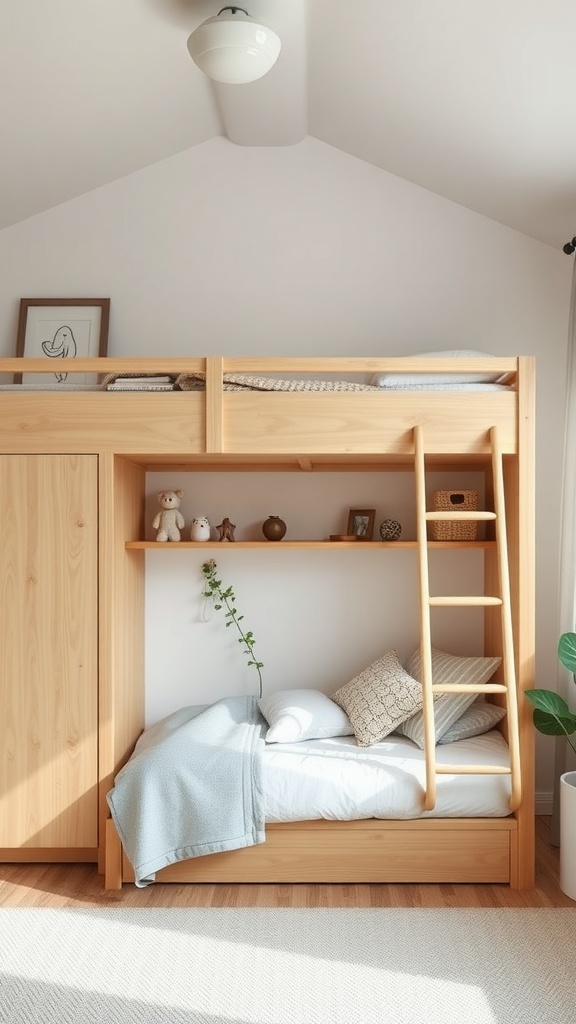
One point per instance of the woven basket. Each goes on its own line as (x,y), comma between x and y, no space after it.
(454,501)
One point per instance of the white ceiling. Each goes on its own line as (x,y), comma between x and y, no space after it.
(472,99)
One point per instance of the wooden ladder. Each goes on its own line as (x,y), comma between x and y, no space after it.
(501,601)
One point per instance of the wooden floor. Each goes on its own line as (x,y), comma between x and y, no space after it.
(80,885)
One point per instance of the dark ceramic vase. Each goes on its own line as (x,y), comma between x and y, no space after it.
(274,528)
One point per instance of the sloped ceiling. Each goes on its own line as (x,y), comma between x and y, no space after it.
(472,99)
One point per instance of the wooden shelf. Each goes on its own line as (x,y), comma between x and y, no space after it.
(137,545)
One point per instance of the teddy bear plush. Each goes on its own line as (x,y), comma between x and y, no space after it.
(169,521)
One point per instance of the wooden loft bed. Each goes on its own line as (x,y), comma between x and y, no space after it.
(211,427)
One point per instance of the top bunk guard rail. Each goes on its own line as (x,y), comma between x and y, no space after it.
(212,425)
(263,365)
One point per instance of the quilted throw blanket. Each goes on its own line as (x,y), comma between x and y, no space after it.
(192,786)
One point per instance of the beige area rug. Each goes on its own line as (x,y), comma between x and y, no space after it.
(246,966)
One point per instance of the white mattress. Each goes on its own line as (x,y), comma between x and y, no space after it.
(336,779)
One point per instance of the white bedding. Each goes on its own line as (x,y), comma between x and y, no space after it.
(336,779)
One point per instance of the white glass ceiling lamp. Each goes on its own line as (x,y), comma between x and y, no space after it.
(233,47)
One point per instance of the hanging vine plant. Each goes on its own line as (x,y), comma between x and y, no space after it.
(214,591)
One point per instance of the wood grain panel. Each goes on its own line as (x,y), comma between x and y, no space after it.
(48,651)
(103,421)
(366,423)
(349,852)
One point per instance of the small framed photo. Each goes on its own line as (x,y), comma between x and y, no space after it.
(361,522)
(61,329)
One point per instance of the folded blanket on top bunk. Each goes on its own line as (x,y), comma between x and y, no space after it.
(244,382)
(193,786)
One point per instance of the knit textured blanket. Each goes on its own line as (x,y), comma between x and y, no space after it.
(192,786)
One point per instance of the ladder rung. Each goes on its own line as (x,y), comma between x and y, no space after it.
(469,688)
(465,602)
(472,769)
(470,516)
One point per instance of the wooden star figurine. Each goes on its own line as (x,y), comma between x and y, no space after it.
(226,530)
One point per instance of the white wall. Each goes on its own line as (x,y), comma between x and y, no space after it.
(303,250)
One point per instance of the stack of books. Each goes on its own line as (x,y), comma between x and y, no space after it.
(148,383)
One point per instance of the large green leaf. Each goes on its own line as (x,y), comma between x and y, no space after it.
(554,725)
(567,651)
(549,701)
(552,716)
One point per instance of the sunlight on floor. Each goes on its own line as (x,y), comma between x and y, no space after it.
(109,962)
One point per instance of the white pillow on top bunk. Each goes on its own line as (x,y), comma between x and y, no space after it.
(448,708)
(296,715)
(398,380)
(379,699)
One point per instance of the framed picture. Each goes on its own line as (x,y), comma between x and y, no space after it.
(61,329)
(361,522)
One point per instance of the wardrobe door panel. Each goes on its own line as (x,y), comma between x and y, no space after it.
(48,651)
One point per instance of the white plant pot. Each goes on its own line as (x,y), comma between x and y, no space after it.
(568,834)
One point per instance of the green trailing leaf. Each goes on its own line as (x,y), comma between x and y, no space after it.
(225,598)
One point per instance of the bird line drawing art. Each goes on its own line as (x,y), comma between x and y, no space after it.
(62,346)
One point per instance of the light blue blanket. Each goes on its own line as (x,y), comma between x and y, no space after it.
(192,786)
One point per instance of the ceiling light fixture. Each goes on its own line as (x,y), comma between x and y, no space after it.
(233,47)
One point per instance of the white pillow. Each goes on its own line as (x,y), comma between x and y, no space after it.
(392,380)
(447,668)
(295,715)
(377,700)
(479,718)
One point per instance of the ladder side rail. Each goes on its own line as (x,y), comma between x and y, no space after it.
(507,630)
(425,629)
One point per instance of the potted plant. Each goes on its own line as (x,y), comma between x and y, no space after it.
(553,717)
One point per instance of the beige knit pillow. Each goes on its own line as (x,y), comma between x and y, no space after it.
(379,699)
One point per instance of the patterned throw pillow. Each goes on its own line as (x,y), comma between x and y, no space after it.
(479,718)
(447,668)
(377,700)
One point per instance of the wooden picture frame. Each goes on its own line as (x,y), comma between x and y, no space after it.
(58,328)
(361,523)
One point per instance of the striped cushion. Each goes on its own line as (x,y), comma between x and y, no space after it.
(447,668)
(479,718)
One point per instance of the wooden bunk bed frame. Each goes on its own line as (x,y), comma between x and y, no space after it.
(134,433)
